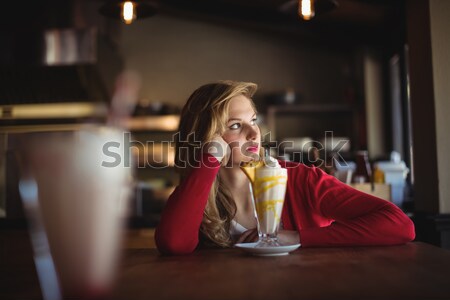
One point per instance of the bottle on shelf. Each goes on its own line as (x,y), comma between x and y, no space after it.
(363,172)
(378,175)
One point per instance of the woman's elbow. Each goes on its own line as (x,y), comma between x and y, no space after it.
(401,226)
(409,232)
(403,230)
(173,249)
(173,246)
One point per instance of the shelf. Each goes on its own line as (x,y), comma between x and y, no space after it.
(311,120)
(310,108)
(152,123)
(42,128)
(52,111)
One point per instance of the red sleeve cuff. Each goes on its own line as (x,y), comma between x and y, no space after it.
(209,161)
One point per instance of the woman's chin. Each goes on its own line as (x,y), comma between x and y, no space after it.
(249,156)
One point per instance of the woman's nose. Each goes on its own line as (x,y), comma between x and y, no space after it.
(252,132)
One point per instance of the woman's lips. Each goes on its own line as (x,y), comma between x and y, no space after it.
(252,149)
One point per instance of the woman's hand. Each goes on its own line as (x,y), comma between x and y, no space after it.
(288,237)
(249,236)
(218,148)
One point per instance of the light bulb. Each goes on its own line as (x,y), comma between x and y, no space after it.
(128,12)
(306,9)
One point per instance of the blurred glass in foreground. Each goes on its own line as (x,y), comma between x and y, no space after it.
(75,186)
(76,199)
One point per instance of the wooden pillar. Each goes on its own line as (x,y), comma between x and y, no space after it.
(425,171)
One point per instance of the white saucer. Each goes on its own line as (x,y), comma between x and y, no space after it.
(267,251)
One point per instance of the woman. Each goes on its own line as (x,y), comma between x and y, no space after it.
(212,204)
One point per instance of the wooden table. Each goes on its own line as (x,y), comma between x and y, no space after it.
(414,270)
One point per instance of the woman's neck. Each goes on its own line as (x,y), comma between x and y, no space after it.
(238,185)
(234,178)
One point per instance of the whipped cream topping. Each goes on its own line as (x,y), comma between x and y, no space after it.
(271,162)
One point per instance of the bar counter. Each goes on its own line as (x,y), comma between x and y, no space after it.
(415,270)
(412,271)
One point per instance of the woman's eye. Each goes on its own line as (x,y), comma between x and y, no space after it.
(235,126)
(253,121)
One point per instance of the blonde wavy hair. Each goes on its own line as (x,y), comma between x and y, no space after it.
(204,116)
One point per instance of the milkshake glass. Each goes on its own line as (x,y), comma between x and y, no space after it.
(269,189)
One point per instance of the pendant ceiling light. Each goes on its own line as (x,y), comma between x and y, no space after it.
(128,11)
(307,9)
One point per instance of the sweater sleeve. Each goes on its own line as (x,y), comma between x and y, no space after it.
(359,218)
(178,229)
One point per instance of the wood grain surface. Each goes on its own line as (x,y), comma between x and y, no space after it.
(412,271)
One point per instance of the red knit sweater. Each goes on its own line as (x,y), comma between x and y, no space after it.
(325,211)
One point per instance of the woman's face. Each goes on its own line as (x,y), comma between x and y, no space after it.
(242,133)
